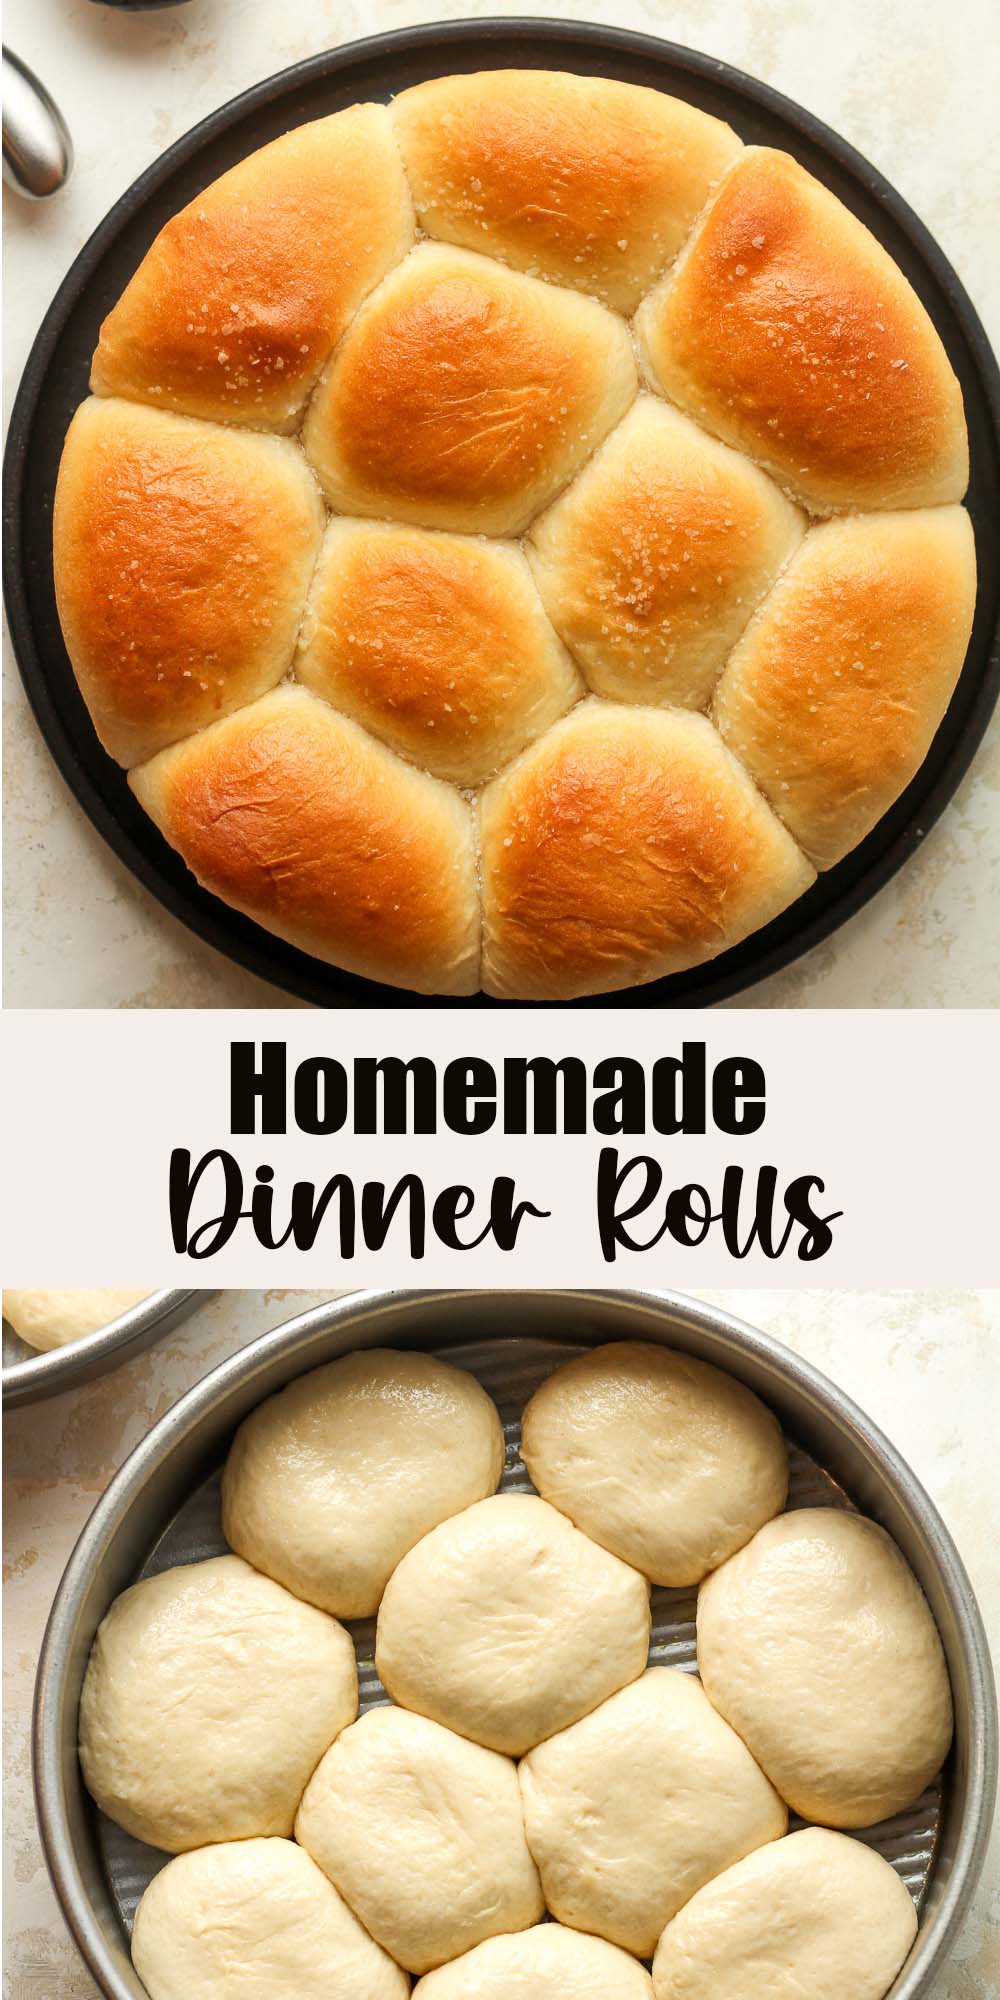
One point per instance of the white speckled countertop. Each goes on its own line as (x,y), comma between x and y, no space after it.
(912,84)
(926,1367)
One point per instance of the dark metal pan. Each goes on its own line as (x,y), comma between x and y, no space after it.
(55,381)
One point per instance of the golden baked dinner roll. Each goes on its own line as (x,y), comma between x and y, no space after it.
(294,815)
(240,300)
(626,844)
(465,395)
(787,329)
(182,556)
(833,695)
(437,643)
(652,562)
(578,178)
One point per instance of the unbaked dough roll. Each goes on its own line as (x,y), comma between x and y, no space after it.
(460,667)
(422,1834)
(209,1698)
(255,1920)
(652,562)
(638,1805)
(582,179)
(818,1645)
(241,298)
(545,1963)
(834,693)
(815,1914)
(182,557)
(788,330)
(665,1460)
(296,816)
(507,1624)
(52,1319)
(328,1484)
(625,845)
(464,395)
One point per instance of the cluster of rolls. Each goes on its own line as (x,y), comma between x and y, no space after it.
(529,1763)
(514,537)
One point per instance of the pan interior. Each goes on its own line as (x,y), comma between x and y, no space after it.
(510,1370)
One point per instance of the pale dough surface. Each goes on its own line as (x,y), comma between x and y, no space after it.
(664,1459)
(818,1645)
(329,1483)
(52,1319)
(507,1624)
(422,1834)
(210,1696)
(815,1914)
(639,1805)
(545,1963)
(255,1920)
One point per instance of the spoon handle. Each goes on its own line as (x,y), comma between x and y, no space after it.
(37,148)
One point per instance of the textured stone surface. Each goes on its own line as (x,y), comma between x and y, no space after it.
(925,1366)
(79,928)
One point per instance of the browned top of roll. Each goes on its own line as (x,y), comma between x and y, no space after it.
(437,643)
(578,178)
(834,693)
(238,303)
(626,844)
(182,558)
(789,331)
(464,395)
(652,562)
(292,814)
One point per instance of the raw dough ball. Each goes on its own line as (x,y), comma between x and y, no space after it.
(818,1645)
(507,1624)
(330,1483)
(51,1319)
(209,1699)
(815,1914)
(640,1804)
(422,1834)
(255,1920)
(665,1460)
(547,1963)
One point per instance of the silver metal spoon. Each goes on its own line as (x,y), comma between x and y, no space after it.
(37,148)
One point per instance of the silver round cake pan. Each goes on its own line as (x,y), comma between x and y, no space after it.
(163,1508)
(28,1376)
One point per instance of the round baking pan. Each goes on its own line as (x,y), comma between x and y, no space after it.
(29,1377)
(55,381)
(163,1508)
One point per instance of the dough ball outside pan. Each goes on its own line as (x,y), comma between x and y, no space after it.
(640,1804)
(507,1624)
(422,1834)
(818,1645)
(255,1920)
(814,1914)
(545,1963)
(329,1483)
(209,1698)
(52,1319)
(662,1458)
